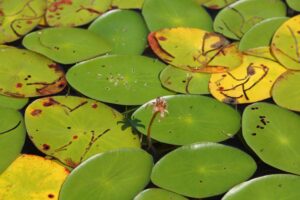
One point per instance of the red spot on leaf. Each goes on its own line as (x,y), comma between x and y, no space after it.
(94,105)
(49,102)
(19,85)
(36,112)
(46,147)
(162,38)
(71,163)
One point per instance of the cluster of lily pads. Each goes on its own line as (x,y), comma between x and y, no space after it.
(149,99)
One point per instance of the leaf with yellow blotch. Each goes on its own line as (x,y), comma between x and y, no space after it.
(285,44)
(32,177)
(195,50)
(250,82)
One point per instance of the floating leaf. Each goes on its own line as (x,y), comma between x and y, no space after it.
(195,50)
(273,134)
(183,81)
(250,82)
(217,4)
(73,129)
(189,119)
(19,17)
(202,170)
(285,46)
(158,194)
(124,80)
(12,137)
(161,14)
(74,12)
(38,76)
(261,34)
(113,175)
(286,91)
(124,29)
(235,20)
(127,4)
(12,102)
(294,4)
(261,52)
(32,177)
(66,45)
(277,186)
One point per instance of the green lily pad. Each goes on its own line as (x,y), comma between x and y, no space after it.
(235,20)
(294,4)
(119,79)
(73,129)
(46,175)
(183,81)
(273,134)
(127,4)
(74,12)
(19,17)
(67,45)
(124,29)
(12,136)
(285,45)
(216,4)
(13,102)
(38,76)
(286,90)
(158,194)
(277,186)
(203,169)
(188,119)
(261,34)
(161,14)
(116,175)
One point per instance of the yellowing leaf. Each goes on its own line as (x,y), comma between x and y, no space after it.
(195,50)
(250,82)
(32,177)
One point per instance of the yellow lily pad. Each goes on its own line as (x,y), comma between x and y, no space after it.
(195,50)
(32,177)
(250,82)
(285,44)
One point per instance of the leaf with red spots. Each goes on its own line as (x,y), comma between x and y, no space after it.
(72,129)
(32,78)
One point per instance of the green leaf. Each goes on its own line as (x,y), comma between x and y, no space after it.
(13,102)
(189,119)
(202,170)
(158,194)
(113,175)
(73,129)
(273,134)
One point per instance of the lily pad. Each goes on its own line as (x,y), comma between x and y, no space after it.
(19,17)
(74,12)
(261,52)
(119,79)
(161,14)
(38,76)
(12,137)
(250,82)
(294,4)
(285,46)
(273,134)
(32,177)
(217,4)
(277,186)
(13,102)
(67,45)
(189,119)
(158,194)
(73,129)
(286,91)
(116,175)
(235,20)
(261,34)
(195,50)
(124,29)
(203,169)
(183,81)
(127,4)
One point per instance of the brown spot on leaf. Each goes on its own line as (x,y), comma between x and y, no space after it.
(49,102)
(19,85)
(46,147)
(75,137)
(36,112)
(162,38)
(94,105)
(50,196)
(71,163)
